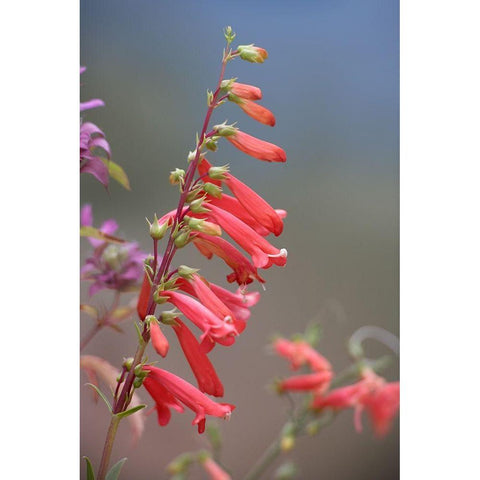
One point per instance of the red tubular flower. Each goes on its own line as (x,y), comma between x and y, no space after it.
(268,152)
(318,382)
(243,271)
(159,341)
(201,290)
(255,205)
(233,206)
(214,470)
(202,368)
(239,302)
(257,213)
(256,111)
(248,92)
(212,326)
(382,405)
(144,297)
(372,393)
(299,352)
(164,400)
(264,255)
(184,392)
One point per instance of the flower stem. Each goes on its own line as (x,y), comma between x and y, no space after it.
(107,449)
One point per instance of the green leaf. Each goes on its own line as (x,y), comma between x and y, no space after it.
(90,473)
(114,472)
(104,398)
(93,232)
(130,412)
(117,173)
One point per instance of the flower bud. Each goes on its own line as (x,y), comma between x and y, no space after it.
(229,34)
(127,363)
(218,173)
(252,54)
(213,190)
(157,231)
(177,176)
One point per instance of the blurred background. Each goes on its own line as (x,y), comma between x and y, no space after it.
(332,80)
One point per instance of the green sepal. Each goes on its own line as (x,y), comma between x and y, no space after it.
(117,173)
(90,473)
(130,412)
(104,398)
(93,232)
(114,472)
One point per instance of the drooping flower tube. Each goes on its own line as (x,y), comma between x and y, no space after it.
(243,270)
(371,393)
(263,254)
(202,368)
(299,353)
(256,148)
(213,327)
(168,390)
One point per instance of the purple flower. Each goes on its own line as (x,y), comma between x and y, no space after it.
(93,145)
(113,266)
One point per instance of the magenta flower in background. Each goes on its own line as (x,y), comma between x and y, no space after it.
(93,146)
(112,266)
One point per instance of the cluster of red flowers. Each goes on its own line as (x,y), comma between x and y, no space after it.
(372,393)
(219,314)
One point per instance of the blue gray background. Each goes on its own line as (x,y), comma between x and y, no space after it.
(332,80)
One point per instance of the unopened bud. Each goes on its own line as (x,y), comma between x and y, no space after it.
(127,363)
(252,54)
(157,231)
(229,34)
(218,173)
(213,190)
(177,176)
(313,428)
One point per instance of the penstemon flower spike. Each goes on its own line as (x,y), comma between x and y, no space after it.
(219,314)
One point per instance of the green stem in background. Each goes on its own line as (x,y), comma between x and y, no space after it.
(297,424)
